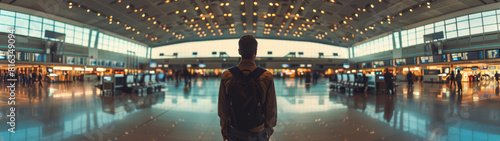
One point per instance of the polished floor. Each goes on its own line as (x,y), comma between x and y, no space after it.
(431,111)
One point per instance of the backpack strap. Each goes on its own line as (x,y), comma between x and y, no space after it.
(256,73)
(236,72)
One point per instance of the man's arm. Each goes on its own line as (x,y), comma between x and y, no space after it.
(222,110)
(271,106)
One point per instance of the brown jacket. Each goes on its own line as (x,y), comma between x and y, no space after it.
(266,82)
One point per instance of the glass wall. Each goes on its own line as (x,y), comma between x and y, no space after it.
(462,26)
(266,48)
(378,45)
(34,26)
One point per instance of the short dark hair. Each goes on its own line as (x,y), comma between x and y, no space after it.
(247,46)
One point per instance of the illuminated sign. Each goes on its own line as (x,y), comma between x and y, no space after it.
(472,55)
(490,54)
(346,65)
(202,65)
(153,64)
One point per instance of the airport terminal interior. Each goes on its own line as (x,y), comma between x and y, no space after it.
(343,70)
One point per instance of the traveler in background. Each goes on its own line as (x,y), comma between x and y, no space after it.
(308,77)
(242,90)
(458,77)
(388,78)
(33,77)
(23,77)
(28,79)
(365,82)
(5,76)
(496,76)
(452,79)
(315,77)
(40,78)
(409,78)
(187,77)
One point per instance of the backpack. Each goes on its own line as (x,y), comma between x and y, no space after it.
(244,95)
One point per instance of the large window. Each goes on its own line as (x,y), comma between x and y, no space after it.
(34,26)
(462,26)
(378,45)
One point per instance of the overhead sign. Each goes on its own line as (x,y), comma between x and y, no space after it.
(463,56)
(491,54)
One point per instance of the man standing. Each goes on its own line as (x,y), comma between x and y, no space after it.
(452,79)
(459,81)
(388,81)
(496,76)
(409,78)
(242,90)
(40,79)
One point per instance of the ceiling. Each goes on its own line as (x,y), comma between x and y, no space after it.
(163,22)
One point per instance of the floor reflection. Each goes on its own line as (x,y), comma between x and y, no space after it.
(430,111)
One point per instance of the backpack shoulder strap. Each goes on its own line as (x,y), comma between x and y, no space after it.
(235,71)
(256,73)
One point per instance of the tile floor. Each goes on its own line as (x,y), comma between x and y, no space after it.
(431,111)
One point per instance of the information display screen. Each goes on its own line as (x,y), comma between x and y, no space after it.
(387,63)
(380,77)
(410,61)
(106,78)
(401,61)
(346,65)
(471,55)
(153,64)
(130,78)
(426,59)
(491,54)
(377,64)
(3,55)
(433,59)
(70,60)
(366,65)
(202,65)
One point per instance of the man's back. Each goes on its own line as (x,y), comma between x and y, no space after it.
(388,77)
(268,98)
(458,77)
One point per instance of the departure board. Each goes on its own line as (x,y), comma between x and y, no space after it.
(426,59)
(377,64)
(410,61)
(433,59)
(401,61)
(471,55)
(491,54)
(387,63)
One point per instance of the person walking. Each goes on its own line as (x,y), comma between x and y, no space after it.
(247,99)
(458,78)
(40,79)
(28,79)
(187,77)
(388,78)
(496,76)
(365,82)
(409,78)
(315,77)
(452,79)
